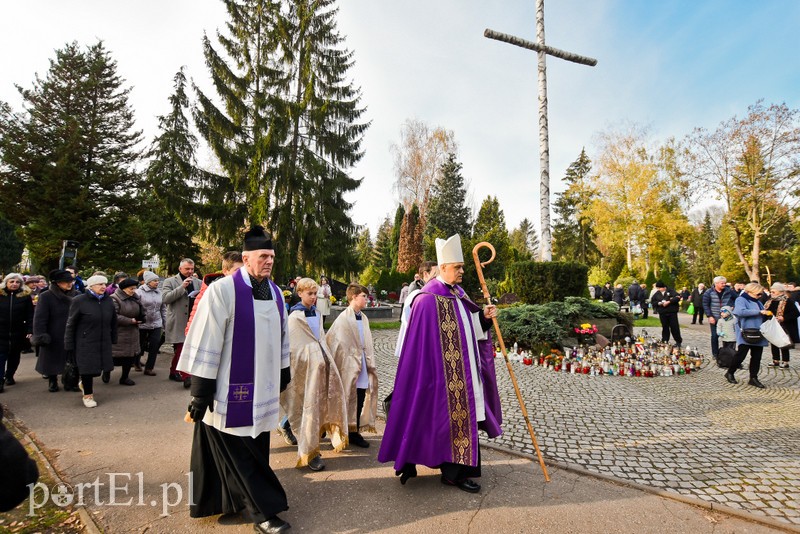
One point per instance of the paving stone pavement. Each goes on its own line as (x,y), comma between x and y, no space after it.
(696,435)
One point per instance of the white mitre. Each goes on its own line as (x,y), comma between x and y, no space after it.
(449,251)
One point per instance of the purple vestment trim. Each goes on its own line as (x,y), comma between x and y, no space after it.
(241,383)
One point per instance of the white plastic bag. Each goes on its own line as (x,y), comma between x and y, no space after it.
(773,332)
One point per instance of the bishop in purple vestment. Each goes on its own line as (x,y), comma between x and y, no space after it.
(445,388)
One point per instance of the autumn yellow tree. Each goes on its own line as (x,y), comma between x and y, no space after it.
(753,165)
(636,208)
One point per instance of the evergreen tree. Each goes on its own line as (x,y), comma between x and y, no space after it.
(172,218)
(364,249)
(410,251)
(382,252)
(10,246)
(573,232)
(523,241)
(74,147)
(399,216)
(490,226)
(448,212)
(287,133)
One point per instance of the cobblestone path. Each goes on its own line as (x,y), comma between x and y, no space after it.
(695,434)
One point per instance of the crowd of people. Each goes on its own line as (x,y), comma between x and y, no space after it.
(256,358)
(732,311)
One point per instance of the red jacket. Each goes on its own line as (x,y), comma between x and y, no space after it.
(207,280)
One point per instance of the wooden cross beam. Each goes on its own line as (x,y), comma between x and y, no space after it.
(546,247)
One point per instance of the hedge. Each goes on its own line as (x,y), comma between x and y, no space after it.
(539,282)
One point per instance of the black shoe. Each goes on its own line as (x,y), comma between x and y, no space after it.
(175,377)
(126,382)
(755,383)
(409,471)
(730,378)
(288,435)
(467,485)
(316,463)
(53,385)
(358,440)
(106,377)
(272,525)
(10,381)
(187,383)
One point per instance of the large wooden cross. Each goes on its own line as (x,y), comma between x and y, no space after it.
(546,247)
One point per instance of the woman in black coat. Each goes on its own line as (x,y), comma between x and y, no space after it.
(16,325)
(785,311)
(90,332)
(50,324)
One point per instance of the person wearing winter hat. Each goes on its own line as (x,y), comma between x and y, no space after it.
(155,314)
(90,332)
(16,325)
(50,323)
(129,316)
(118,277)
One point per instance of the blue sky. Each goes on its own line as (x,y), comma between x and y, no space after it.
(671,66)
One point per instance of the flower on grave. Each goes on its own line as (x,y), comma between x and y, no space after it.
(586,328)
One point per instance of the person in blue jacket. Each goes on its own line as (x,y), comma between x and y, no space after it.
(749,314)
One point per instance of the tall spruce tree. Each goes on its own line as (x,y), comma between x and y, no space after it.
(287,133)
(573,232)
(364,249)
(523,241)
(68,162)
(173,216)
(382,251)
(448,212)
(490,226)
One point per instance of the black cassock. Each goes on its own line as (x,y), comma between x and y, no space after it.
(232,473)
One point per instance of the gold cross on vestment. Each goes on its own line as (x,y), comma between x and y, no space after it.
(242,392)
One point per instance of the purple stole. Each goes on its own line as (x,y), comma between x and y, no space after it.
(241,383)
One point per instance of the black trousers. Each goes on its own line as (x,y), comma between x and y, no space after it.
(12,358)
(361,395)
(150,342)
(781,353)
(755,359)
(669,323)
(697,312)
(88,384)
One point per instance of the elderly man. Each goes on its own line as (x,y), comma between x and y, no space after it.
(445,388)
(178,294)
(237,351)
(714,299)
(697,301)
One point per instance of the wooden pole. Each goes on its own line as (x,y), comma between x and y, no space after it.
(479,267)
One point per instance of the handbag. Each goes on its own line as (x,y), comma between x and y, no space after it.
(690,309)
(70,377)
(774,333)
(636,309)
(752,336)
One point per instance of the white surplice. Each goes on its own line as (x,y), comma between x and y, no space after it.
(207,353)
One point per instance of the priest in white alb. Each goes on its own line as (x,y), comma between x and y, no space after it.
(237,351)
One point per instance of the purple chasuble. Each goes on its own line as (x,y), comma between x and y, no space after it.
(241,381)
(433,418)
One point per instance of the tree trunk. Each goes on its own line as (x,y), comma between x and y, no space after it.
(544,142)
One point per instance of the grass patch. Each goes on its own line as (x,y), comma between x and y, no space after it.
(650,321)
(48,518)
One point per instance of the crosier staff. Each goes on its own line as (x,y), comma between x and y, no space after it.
(479,265)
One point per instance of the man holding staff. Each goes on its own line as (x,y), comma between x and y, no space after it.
(445,387)
(237,351)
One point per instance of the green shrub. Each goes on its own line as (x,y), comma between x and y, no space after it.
(537,325)
(536,282)
(393,280)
